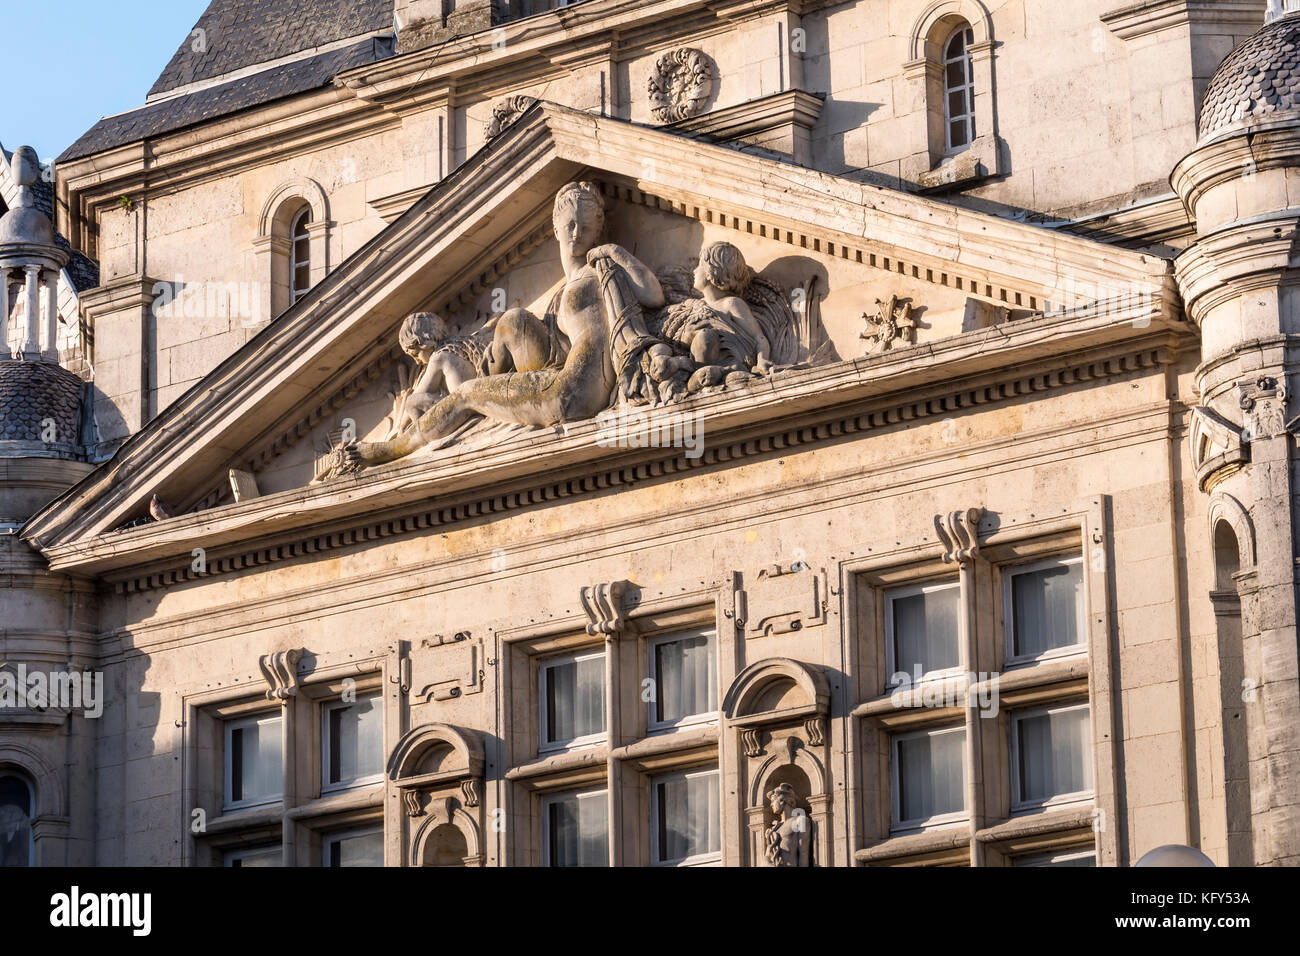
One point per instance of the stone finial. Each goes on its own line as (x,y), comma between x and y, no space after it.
(959,532)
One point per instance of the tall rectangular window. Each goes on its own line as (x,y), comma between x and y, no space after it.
(922,630)
(254,770)
(572,695)
(927,777)
(684,815)
(352,743)
(684,675)
(1051,756)
(354,848)
(1043,609)
(575,829)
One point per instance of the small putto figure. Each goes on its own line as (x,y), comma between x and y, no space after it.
(445,361)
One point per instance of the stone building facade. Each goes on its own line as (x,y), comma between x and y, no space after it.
(682,432)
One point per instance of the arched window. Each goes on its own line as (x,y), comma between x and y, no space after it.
(300,256)
(292,247)
(958,91)
(16,847)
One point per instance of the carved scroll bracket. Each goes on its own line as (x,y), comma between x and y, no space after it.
(281,672)
(959,533)
(606,609)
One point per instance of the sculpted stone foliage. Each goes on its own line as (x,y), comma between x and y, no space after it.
(504,113)
(615,334)
(680,84)
(891,326)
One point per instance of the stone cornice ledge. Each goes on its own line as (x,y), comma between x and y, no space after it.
(1152,16)
(797,408)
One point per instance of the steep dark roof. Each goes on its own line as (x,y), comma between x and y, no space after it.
(242,33)
(254,90)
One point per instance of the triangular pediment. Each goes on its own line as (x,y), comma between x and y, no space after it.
(980,284)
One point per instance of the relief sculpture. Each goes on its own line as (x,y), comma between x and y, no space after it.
(616,333)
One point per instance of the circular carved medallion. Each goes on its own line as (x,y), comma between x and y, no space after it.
(680,84)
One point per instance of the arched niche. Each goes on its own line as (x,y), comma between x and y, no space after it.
(449,836)
(438,770)
(775,717)
(1227,510)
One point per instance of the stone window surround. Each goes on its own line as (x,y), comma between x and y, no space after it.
(273,246)
(638,754)
(924,69)
(992,834)
(297,824)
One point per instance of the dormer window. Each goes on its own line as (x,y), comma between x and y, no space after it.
(958,91)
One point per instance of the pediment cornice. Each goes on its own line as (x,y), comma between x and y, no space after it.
(801,409)
(438,250)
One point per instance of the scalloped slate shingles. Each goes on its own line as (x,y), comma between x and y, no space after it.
(242,33)
(31,392)
(1261,76)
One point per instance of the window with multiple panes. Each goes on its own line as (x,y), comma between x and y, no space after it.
(958,91)
(685,827)
(352,743)
(254,765)
(922,631)
(299,255)
(927,777)
(353,848)
(16,846)
(684,680)
(1043,609)
(575,829)
(1051,756)
(571,694)
(258,856)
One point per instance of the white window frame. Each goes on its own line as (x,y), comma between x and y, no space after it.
(1057,856)
(328,839)
(967,90)
(328,708)
(699,859)
(228,727)
(1008,573)
(1078,796)
(899,825)
(228,857)
(567,795)
(691,720)
(543,729)
(296,293)
(891,653)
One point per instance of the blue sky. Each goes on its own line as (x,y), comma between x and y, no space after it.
(83,59)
